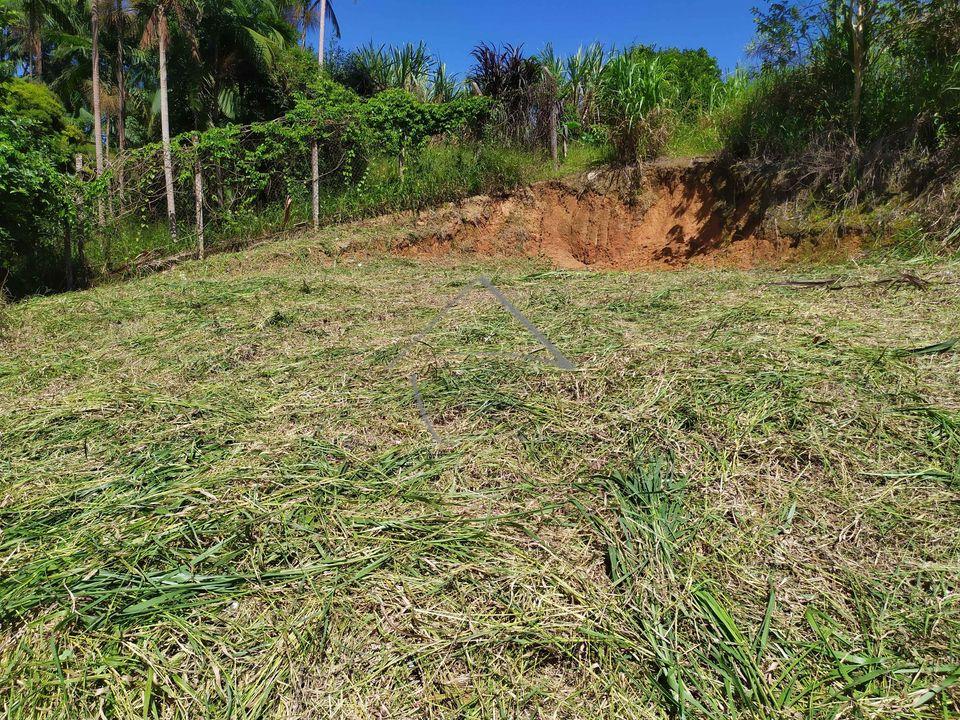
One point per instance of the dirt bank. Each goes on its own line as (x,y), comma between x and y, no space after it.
(665,215)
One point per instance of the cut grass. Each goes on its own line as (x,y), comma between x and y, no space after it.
(217,502)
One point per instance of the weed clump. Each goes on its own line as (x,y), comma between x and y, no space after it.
(278,319)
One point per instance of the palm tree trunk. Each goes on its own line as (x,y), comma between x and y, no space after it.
(121,104)
(323,30)
(214,111)
(36,63)
(108,164)
(95,64)
(36,46)
(165,123)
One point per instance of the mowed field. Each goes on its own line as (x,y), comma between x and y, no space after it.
(220,496)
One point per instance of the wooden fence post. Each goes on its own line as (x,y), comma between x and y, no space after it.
(554,153)
(198,193)
(67,255)
(101,215)
(315,182)
(78,201)
(108,164)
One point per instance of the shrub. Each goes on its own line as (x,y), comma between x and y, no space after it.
(36,106)
(801,109)
(250,170)
(399,124)
(292,74)
(693,74)
(523,94)
(35,143)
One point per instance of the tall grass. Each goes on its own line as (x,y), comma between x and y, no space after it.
(440,173)
(4,316)
(634,95)
(412,67)
(703,133)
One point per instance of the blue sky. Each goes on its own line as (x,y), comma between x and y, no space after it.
(451,28)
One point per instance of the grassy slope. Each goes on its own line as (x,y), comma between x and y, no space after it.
(216,501)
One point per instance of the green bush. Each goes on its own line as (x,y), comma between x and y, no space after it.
(36,139)
(247,168)
(251,170)
(693,74)
(293,74)
(398,122)
(400,125)
(37,106)
(800,109)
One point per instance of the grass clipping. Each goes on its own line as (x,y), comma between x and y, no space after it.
(218,500)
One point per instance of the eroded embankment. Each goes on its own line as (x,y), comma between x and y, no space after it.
(660,216)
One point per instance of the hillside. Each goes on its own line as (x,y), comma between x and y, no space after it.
(297,482)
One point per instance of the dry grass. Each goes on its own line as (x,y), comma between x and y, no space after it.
(216,502)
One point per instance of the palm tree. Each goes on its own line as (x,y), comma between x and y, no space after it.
(34,16)
(307,14)
(29,20)
(237,41)
(372,69)
(163,37)
(118,17)
(95,65)
(322,35)
(157,30)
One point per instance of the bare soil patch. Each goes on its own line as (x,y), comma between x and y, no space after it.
(665,215)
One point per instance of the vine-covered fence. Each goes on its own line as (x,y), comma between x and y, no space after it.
(240,181)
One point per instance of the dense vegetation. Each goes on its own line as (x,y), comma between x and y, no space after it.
(851,101)
(36,139)
(854,96)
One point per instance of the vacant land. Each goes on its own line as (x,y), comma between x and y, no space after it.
(218,497)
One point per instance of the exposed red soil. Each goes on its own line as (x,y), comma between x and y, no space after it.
(667,217)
